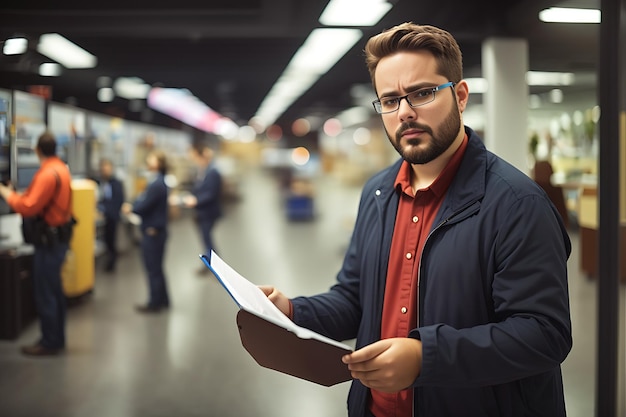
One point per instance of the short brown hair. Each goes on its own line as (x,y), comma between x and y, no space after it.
(161,160)
(412,37)
(47,144)
(199,147)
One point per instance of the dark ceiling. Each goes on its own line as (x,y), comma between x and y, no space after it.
(230,52)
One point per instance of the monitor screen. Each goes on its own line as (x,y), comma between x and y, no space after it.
(25,176)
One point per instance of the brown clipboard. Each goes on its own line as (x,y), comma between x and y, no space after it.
(277,348)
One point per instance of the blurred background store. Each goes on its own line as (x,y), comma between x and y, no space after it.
(294,154)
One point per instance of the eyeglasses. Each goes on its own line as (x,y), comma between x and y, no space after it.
(414,98)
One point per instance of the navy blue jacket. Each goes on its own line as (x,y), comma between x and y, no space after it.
(494,317)
(151,205)
(110,205)
(208,191)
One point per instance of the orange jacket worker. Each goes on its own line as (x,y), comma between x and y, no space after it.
(48,195)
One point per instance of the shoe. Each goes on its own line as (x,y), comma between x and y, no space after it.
(38,350)
(147,309)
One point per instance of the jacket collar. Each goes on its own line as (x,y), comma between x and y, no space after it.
(469,182)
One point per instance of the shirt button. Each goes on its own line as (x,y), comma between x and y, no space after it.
(403,310)
(408,255)
(377,192)
(415,219)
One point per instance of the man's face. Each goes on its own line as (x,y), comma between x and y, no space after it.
(195,157)
(419,134)
(106,170)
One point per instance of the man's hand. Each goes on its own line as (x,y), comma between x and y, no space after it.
(190,201)
(279,299)
(389,365)
(126,208)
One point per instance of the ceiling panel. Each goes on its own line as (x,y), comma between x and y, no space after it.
(229,53)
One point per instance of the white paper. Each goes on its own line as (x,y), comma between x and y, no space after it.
(250,297)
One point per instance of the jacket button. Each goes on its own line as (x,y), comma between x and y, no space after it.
(403,310)
(408,255)
(377,192)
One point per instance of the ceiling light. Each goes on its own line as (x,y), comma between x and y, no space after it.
(106,95)
(549,78)
(354,12)
(15,46)
(63,51)
(49,69)
(570,15)
(323,48)
(131,88)
(319,53)
(556,96)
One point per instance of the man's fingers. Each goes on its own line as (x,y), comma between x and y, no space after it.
(366,353)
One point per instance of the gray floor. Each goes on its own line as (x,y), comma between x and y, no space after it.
(189,361)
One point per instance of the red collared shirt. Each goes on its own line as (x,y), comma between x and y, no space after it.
(45,195)
(414,220)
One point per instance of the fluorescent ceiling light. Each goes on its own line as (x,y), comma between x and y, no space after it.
(556,96)
(106,95)
(549,78)
(354,12)
(63,51)
(319,53)
(480,85)
(15,46)
(570,15)
(323,48)
(49,69)
(131,88)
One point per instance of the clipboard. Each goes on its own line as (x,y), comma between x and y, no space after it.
(274,341)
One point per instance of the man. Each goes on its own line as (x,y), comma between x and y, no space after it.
(48,195)
(152,207)
(455,280)
(109,204)
(205,195)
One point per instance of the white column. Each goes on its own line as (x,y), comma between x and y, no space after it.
(504,66)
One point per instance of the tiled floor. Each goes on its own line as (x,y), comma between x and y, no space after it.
(189,361)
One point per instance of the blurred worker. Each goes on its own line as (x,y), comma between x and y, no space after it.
(205,195)
(49,196)
(455,281)
(110,202)
(152,207)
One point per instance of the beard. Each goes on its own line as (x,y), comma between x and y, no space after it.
(440,142)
